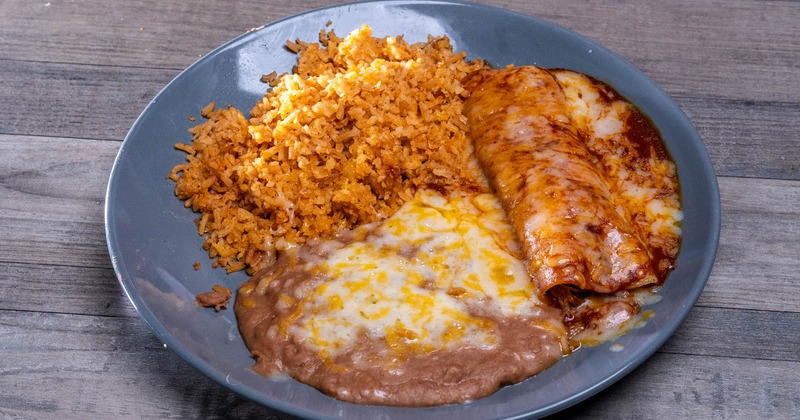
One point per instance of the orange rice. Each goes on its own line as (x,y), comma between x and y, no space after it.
(345,139)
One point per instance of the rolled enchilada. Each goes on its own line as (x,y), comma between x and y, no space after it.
(574,226)
(633,159)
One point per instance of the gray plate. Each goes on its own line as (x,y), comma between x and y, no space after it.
(153,242)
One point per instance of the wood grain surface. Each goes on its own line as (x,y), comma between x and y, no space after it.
(74,75)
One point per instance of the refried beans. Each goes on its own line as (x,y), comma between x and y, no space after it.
(485,340)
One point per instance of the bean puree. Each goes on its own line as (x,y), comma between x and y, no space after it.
(386,370)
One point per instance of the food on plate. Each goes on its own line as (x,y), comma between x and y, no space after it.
(432,306)
(422,229)
(346,139)
(563,196)
(633,158)
(217,298)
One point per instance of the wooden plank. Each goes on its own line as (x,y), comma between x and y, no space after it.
(41,175)
(52,204)
(757,259)
(89,366)
(691,48)
(85,101)
(747,138)
(707,331)
(684,45)
(688,387)
(65,366)
(75,244)
(738,333)
(52,193)
(63,289)
(136,34)
(744,138)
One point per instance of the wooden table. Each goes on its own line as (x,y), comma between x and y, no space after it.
(75,74)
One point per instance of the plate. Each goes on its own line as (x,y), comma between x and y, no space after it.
(153,241)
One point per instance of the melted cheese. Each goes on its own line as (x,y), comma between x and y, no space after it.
(647,183)
(418,280)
